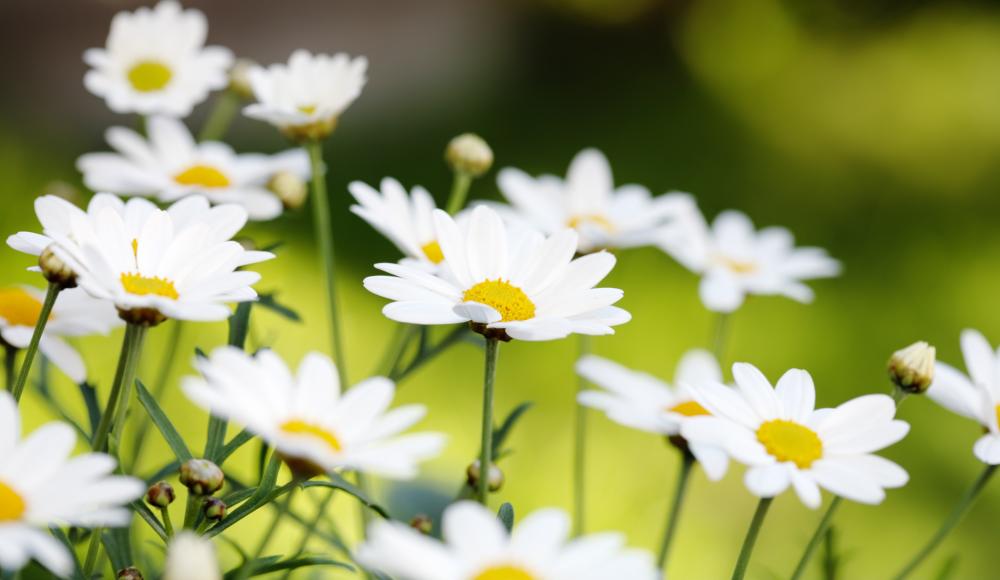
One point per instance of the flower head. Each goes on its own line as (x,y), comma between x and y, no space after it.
(155,62)
(912,368)
(191,557)
(306,417)
(469,154)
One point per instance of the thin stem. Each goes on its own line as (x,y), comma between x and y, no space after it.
(683,476)
(830,560)
(283,508)
(452,338)
(226,105)
(312,526)
(898,395)
(755,524)
(124,375)
(168,525)
(580,448)
(194,502)
(93,549)
(459,191)
(43,318)
(159,387)
(956,515)
(824,525)
(486,453)
(397,348)
(10,366)
(720,335)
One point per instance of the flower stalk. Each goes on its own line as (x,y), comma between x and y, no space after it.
(683,476)
(824,525)
(36,337)
(486,452)
(743,562)
(121,387)
(580,448)
(10,366)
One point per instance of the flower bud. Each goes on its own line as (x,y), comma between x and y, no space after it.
(160,494)
(290,189)
(469,154)
(191,557)
(239,78)
(215,509)
(201,476)
(55,269)
(130,573)
(495,481)
(422,523)
(912,368)
(147,317)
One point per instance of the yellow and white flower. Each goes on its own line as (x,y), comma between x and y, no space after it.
(587,200)
(41,486)
(475,546)
(975,396)
(734,260)
(171,165)
(307,418)
(526,285)
(75,313)
(642,401)
(786,441)
(305,97)
(406,220)
(155,62)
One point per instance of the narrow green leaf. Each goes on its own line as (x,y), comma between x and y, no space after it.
(162,423)
(949,569)
(501,433)
(89,394)
(270,302)
(119,548)
(506,515)
(263,566)
(239,325)
(161,473)
(255,502)
(64,539)
(238,440)
(147,515)
(338,482)
(216,436)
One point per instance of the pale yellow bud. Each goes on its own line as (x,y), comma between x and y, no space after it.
(912,368)
(290,189)
(469,154)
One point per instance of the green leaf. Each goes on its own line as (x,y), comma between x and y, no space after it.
(506,515)
(239,440)
(162,423)
(161,473)
(501,433)
(216,436)
(948,570)
(64,539)
(270,302)
(261,496)
(118,547)
(239,325)
(338,482)
(89,394)
(147,515)
(268,565)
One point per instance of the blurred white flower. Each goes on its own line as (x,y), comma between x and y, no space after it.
(525,285)
(733,259)
(406,220)
(306,417)
(785,440)
(155,62)
(191,557)
(41,486)
(171,165)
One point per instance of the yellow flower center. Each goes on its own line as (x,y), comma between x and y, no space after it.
(998,414)
(689,409)
(19,308)
(12,505)
(789,441)
(298,427)
(307,109)
(144,285)
(504,572)
(736,266)
(433,251)
(509,300)
(202,176)
(577,221)
(149,75)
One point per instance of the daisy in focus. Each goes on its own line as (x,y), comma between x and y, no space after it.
(171,165)
(523,286)
(975,396)
(734,260)
(308,420)
(606,217)
(642,401)
(75,314)
(155,62)
(41,487)
(305,98)
(476,546)
(406,220)
(786,441)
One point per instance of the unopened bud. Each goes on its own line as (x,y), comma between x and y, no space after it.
(290,189)
(495,481)
(239,78)
(201,476)
(55,269)
(215,509)
(191,557)
(422,523)
(160,494)
(912,368)
(130,573)
(468,153)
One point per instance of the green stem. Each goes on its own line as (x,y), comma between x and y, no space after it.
(283,508)
(93,549)
(10,366)
(956,515)
(459,191)
(824,525)
(194,502)
(898,395)
(452,338)
(719,336)
(755,524)
(159,388)
(168,525)
(486,452)
(397,348)
(43,318)
(124,375)
(226,105)
(580,448)
(683,476)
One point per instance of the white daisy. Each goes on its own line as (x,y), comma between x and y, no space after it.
(41,486)
(306,417)
(406,220)
(155,62)
(305,97)
(476,546)
(170,165)
(734,259)
(191,557)
(642,401)
(976,396)
(525,286)
(785,440)
(75,313)
(606,217)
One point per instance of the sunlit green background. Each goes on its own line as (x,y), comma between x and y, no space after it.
(868,128)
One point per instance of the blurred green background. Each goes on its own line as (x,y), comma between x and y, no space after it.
(868,128)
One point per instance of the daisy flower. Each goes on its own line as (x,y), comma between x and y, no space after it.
(191,557)
(785,440)
(306,418)
(975,396)
(171,165)
(156,62)
(75,313)
(41,486)
(642,401)
(734,259)
(587,201)
(305,97)
(476,546)
(525,286)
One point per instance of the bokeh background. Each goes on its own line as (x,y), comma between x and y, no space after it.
(868,128)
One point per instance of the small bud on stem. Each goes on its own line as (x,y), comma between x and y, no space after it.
(55,269)
(912,368)
(495,481)
(215,509)
(290,189)
(469,154)
(201,476)
(160,494)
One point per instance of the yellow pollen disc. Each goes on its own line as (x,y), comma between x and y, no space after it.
(504,573)
(433,251)
(143,286)
(12,505)
(600,221)
(307,109)
(689,409)
(998,414)
(789,441)
(737,266)
(149,75)
(297,427)
(509,300)
(203,176)
(19,308)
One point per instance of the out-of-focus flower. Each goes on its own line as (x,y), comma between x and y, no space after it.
(171,165)
(307,419)
(522,286)
(476,546)
(155,62)
(191,557)
(469,154)
(912,368)
(41,486)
